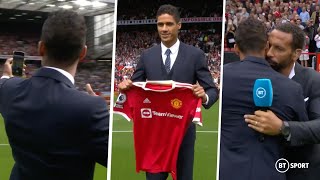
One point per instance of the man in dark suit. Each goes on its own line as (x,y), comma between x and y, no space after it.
(54,130)
(288,37)
(244,153)
(174,60)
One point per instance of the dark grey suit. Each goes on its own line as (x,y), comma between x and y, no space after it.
(244,154)
(189,67)
(54,130)
(306,133)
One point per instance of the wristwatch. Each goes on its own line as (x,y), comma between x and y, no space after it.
(285,129)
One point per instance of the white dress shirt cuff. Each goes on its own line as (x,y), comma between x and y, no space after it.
(206,103)
(288,138)
(5,77)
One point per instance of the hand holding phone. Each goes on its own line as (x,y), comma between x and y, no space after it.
(18,62)
(7,68)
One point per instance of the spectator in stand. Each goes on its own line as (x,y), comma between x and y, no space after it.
(304,15)
(244,13)
(305,57)
(298,23)
(230,37)
(315,15)
(317,39)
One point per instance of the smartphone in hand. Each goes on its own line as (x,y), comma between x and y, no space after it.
(17,64)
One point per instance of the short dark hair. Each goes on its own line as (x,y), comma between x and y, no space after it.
(298,36)
(64,35)
(169,9)
(251,35)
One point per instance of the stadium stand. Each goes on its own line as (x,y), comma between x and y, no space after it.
(24,34)
(134,10)
(24,42)
(305,14)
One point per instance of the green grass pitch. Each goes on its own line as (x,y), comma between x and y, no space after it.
(123,162)
(6,159)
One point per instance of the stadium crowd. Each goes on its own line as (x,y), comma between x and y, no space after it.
(96,73)
(131,44)
(304,14)
(11,42)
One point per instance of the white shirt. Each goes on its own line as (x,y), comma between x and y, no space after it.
(65,73)
(5,77)
(174,52)
(292,72)
(317,39)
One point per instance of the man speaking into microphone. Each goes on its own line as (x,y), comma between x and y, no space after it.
(244,153)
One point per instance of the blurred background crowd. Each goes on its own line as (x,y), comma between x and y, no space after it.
(303,13)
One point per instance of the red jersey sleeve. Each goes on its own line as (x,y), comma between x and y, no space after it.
(122,106)
(197,118)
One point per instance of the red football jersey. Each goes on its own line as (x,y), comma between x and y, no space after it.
(161,112)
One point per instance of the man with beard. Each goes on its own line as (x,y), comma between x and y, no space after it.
(244,153)
(285,43)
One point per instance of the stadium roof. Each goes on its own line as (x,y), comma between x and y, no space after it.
(84,7)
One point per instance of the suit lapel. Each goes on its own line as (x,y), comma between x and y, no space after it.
(159,63)
(298,77)
(180,58)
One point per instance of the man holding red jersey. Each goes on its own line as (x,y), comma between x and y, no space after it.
(174,60)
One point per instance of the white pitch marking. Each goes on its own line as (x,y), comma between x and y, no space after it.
(196,131)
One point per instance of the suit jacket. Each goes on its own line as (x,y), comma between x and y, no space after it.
(244,153)
(306,135)
(189,67)
(54,130)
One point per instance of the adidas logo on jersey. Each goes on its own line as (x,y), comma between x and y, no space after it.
(146,101)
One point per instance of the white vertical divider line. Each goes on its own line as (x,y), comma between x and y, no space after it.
(112,90)
(221,86)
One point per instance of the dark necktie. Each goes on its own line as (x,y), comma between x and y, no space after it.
(168,61)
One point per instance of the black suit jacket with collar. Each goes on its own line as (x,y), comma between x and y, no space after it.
(242,150)
(190,67)
(54,130)
(305,136)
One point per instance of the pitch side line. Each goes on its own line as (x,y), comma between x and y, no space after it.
(131,131)
(196,131)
